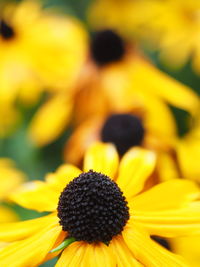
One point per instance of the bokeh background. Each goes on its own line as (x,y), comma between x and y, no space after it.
(35,162)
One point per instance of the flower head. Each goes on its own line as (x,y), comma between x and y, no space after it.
(109,83)
(6,31)
(37,54)
(92,195)
(165,25)
(103,204)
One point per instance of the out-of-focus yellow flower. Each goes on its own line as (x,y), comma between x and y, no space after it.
(108,196)
(115,78)
(39,50)
(140,126)
(15,67)
(51,46)
(173,26)
(187,247)
(151,126)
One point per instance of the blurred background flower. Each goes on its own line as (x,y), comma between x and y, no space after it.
(171,26)
(67,67)
(37,54)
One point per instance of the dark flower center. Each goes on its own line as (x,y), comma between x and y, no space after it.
(92,208)
(106,47)
(124,130)
(6,31)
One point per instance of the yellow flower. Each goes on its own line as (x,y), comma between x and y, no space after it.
(14,66)
(173,26)
(38,42)
(112,80)
(39,50)
(109,198)
(141,126)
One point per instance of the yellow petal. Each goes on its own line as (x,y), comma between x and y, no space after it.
(72,255)
(60,239)
(51,119)
(31,251)
(122,253)
(167,167)
(7,215)
(20,230)
(188,247)
(101,255)
(37,196)
(63,175)
(165,87)
(10,177)
(87,255)
(82,137)
(102,158)
(171,223)
(147,251)
(157,111)
(128,77)
(167,195)
(43,196)
(135,168)
(188,150)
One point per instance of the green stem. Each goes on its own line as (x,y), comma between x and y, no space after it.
(64,244)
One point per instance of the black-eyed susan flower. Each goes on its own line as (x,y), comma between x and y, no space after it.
(40,51)
(115,78)
(103,218)
(14,66)
(50,44)
(166,25)
(141,126)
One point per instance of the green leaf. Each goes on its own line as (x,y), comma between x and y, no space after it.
(64,244)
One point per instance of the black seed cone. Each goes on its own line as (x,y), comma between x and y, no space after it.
(92,208)
(123,130)
(6,31)
(106,47)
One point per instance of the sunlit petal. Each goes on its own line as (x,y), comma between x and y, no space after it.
(102,158)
